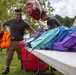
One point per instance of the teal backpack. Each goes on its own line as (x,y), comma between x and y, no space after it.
(42,41)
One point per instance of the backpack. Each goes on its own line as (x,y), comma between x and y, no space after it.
(72,30)
(62,34)
(66,44)
(39,32)
(42,41)
(5,40)
(33,9)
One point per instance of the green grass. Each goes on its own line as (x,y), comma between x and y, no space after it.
(15,67)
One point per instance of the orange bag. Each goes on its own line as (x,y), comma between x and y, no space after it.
(5,40)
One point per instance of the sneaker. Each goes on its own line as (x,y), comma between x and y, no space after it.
(5,71)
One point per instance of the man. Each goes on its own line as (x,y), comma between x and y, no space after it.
(51,21)
(17,27)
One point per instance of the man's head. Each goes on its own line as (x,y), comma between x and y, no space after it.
(44,16)
(18,14)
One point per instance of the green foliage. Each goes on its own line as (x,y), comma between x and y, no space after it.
(6,7)
(46,6)
(66,20)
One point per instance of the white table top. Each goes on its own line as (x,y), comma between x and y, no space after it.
(65,62)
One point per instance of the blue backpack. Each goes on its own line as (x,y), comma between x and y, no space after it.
(62,34)
(71,30)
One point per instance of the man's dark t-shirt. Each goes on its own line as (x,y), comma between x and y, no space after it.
(17,28)
(52,22)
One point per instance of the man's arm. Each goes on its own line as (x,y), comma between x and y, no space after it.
(2,28)
(1,32)
(31,30)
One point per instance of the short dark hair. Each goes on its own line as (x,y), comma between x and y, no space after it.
(18,10)
(43,12)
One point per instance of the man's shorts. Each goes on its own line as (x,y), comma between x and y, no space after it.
(15,46)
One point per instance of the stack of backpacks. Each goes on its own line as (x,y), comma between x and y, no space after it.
(61,38)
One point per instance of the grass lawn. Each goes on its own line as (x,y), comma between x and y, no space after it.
(15,68)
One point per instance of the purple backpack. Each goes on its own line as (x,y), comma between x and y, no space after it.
(39,32)
(67,44)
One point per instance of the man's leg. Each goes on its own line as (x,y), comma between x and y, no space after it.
(9,56)
(19,53)
(6,71)
(21,64)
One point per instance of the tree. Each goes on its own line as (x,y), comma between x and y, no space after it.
(60,19)
(67,21)
(6,7)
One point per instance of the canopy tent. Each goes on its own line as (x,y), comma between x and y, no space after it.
(74,24)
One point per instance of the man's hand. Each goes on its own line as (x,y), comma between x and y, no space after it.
(32,31)
(2,31)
